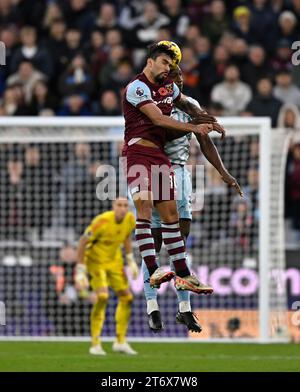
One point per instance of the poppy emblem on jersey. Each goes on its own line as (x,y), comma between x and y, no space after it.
(139,91)
(163,91)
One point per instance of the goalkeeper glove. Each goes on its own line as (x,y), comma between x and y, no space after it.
(134,269)
(81,278)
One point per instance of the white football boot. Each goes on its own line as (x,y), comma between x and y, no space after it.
(160,276)
(97,350)
(124,348)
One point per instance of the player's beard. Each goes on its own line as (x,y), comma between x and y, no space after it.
(160,78)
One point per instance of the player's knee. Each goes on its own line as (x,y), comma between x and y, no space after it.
(126,298)
(102,296)
(144,209)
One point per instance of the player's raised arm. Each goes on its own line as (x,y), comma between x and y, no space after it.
(211,154)
(198,115)
(163,121)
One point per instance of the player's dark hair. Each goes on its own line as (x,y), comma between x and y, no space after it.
(155,51)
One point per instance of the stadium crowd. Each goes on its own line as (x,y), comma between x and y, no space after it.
(74,57)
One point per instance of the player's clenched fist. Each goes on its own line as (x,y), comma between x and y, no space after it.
(81,279)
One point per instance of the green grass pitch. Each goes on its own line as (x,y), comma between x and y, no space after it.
(156,357)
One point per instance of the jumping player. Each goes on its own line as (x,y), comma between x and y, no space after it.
(147,105)
(178,152)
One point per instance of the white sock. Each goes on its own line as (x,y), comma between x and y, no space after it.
(184,306)
(152,305)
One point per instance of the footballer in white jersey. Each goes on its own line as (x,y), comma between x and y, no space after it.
(178,151)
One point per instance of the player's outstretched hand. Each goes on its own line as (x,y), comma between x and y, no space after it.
(231,181)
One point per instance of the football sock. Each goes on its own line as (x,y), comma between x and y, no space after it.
(145,243)
(97,317)
(152,305)
(122,317)
(176,248)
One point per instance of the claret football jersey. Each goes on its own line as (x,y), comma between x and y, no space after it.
(139,92)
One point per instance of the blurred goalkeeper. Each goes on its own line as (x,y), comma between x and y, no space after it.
(99,255)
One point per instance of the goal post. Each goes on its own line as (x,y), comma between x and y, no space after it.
(48,194)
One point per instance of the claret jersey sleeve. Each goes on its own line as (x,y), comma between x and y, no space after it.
(138,94)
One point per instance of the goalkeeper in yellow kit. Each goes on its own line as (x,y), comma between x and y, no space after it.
(99,254)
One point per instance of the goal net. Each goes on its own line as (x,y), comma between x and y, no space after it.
(50,172)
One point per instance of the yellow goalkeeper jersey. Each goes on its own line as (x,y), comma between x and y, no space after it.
(106,238)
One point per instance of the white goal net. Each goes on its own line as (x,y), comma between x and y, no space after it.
(48,196)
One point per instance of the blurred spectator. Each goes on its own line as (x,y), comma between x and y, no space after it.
(264,103)
(264,23)
(130,13)
(226,40)
(79,16)
(242,27)
(53,12)
(233,94)
(27,76)
(11,199)
(295,8)
(56,44)
(95,53)
(121,76)
(216,109)
(116,56)
(282,58)
(29,50)
(221,58)
(239,52)
(277,5)
(245,213)
(241,223)
(216,22)
(288,27)
(71,197)
(256,66)
(109,104)
(289,117)
(74,105)
(285,89)
(9,14)
(192,33)
(73,45)
(12,105)
(148,24)
(178,19)
(106,18)
(41,99)
(164,34)
(205,67)
(37,193)
(46,113)
(113,37)
(77,79)
(293,184)
(190,72)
